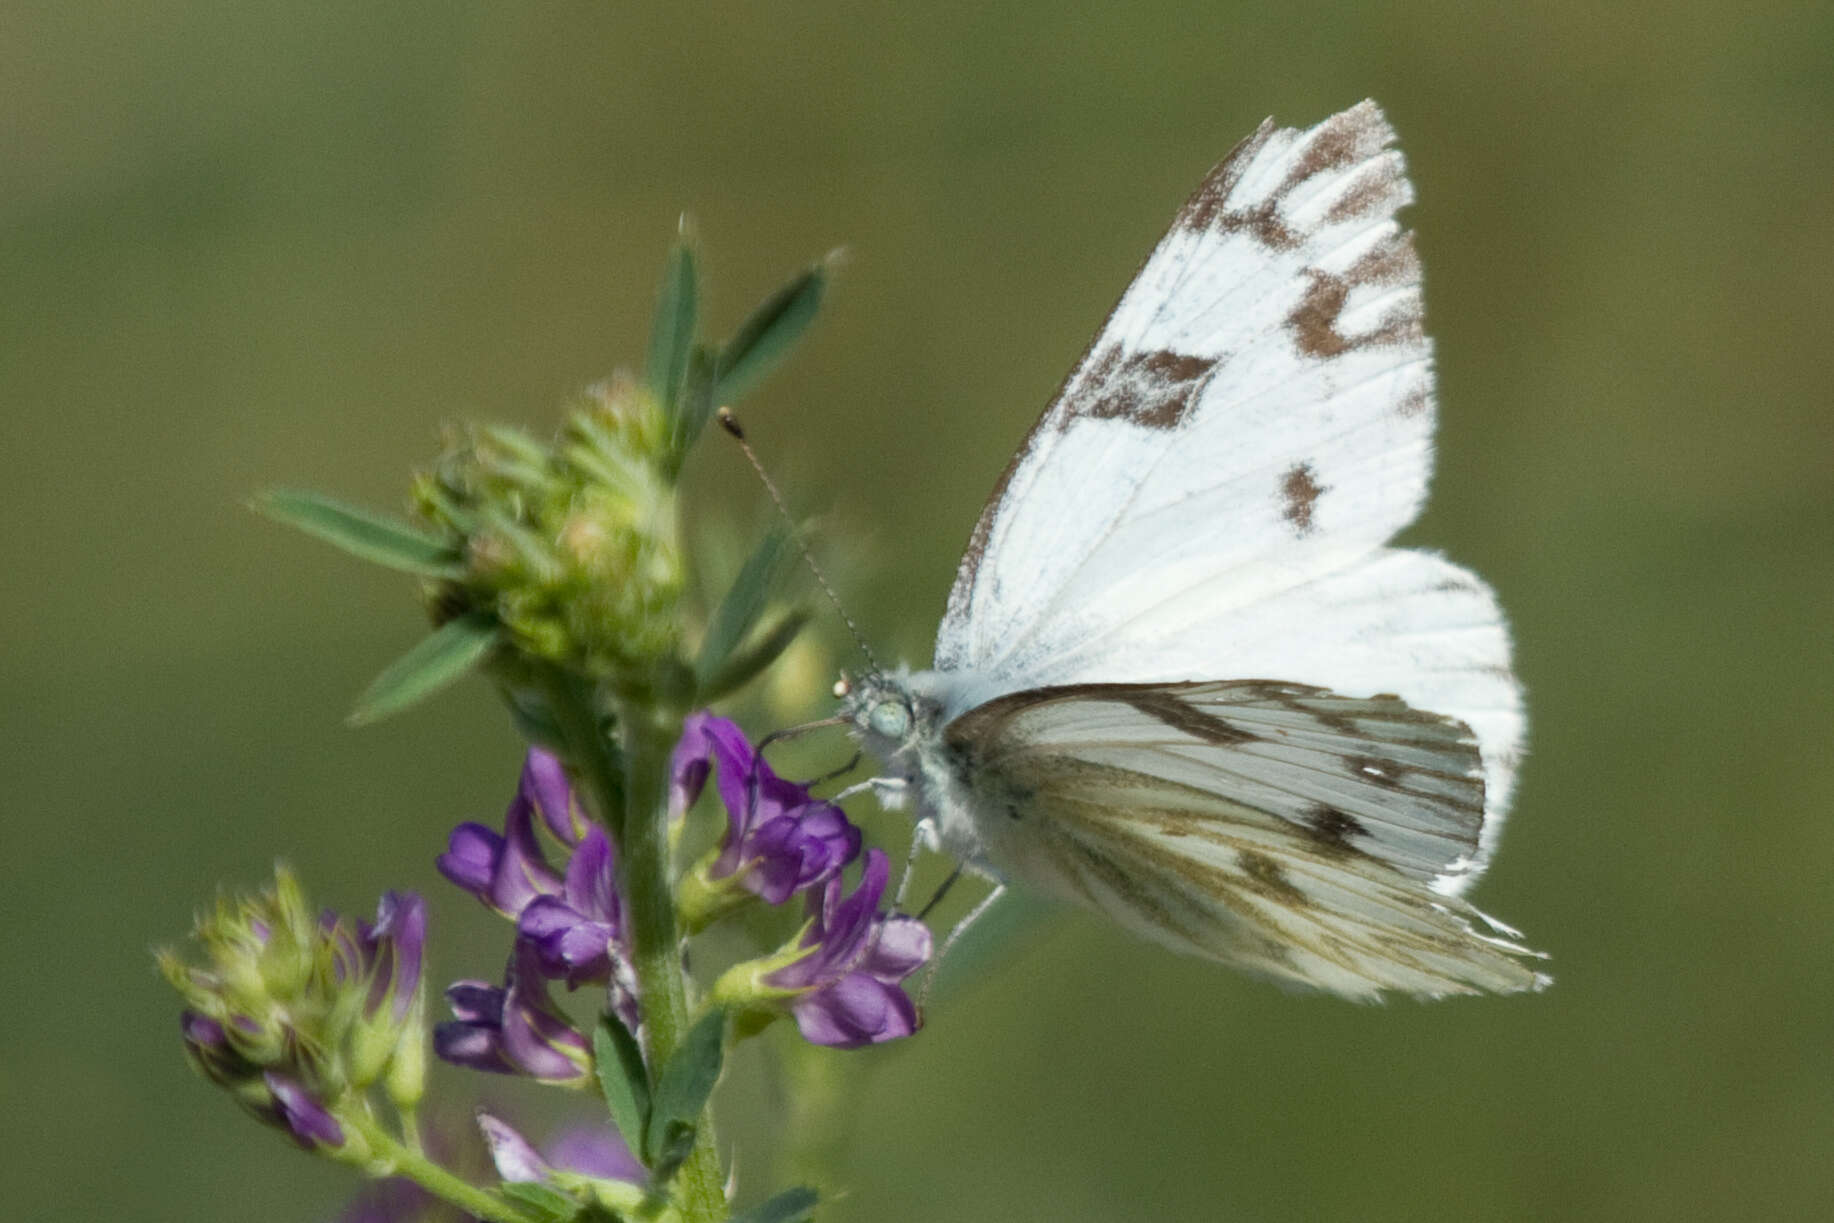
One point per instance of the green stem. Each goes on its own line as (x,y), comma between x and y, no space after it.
(389,1156)
(648,736)
(591,754)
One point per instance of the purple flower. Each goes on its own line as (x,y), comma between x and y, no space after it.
(544,788)
(573,932)
(515,1029)
(506,871)
(586,1150)
(779,840)
(848,991)
(387,953)
(295,1109)
(211,1051)
(573,921)
(594,1151)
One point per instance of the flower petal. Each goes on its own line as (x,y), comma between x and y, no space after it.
(545,788)
(470,860)
(515,1156)
(856,1010)
(302,1115)
(596,1150)
(522,873)
(904,945)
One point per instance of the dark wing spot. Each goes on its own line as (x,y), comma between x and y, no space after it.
(1158,701)
(1331,829)
(1263,224)
(1414,402)
(1151,389)
(1183,716)
(1299,493)
(1381,772)
(1377,191)
(1343,140)
(1314,321)
(1267,880)
(1207,203)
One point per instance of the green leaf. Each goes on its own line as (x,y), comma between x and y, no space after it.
(623,1079)
(441,657)
(742,605)
(697,403)
(545,1202)
(744,664)
(373,537)
(790,1206)
(534,721)
(764,338)
(681,1093)
(672,332)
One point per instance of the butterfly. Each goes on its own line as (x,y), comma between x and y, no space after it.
(1182,679)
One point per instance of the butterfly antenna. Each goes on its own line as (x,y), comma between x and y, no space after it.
(730,423)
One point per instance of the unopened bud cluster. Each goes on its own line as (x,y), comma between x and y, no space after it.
(572,546)
(295,1013)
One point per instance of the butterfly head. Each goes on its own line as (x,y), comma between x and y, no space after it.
(884,711)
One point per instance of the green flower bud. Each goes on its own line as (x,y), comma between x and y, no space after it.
(291,1012)
(572,547)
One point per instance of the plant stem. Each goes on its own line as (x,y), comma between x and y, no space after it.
(390,1156)
(648,736)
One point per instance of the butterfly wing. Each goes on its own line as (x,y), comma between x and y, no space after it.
(1278,827)
(1210,492)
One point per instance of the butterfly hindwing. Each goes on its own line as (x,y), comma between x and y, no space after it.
(1279,827)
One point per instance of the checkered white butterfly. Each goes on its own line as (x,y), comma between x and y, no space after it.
(1182,679)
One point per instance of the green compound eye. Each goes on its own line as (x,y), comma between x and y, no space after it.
(890,719)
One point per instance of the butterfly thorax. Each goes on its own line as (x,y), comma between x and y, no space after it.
(900,718)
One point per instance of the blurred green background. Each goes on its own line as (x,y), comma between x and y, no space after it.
(241,245)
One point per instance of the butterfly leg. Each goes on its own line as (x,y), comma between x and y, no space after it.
(890,791)
(961,928)
(922,833)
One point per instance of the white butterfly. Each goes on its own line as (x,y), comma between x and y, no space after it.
(1210,496)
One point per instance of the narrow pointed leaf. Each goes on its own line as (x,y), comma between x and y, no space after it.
(759,652)
(696,404)
(372,537)
(672,331)
(764,338)
(681,1093)
(443,656)
(742,605)
(623,1079)
(790,1206)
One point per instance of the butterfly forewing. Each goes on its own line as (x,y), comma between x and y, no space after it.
(1277,827)
(1265,373)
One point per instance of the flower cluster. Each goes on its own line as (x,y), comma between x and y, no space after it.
(569,927)
(297,1014)
(556,566)
(779,840)
(841,976)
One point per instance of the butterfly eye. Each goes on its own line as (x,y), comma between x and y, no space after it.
(890,719)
